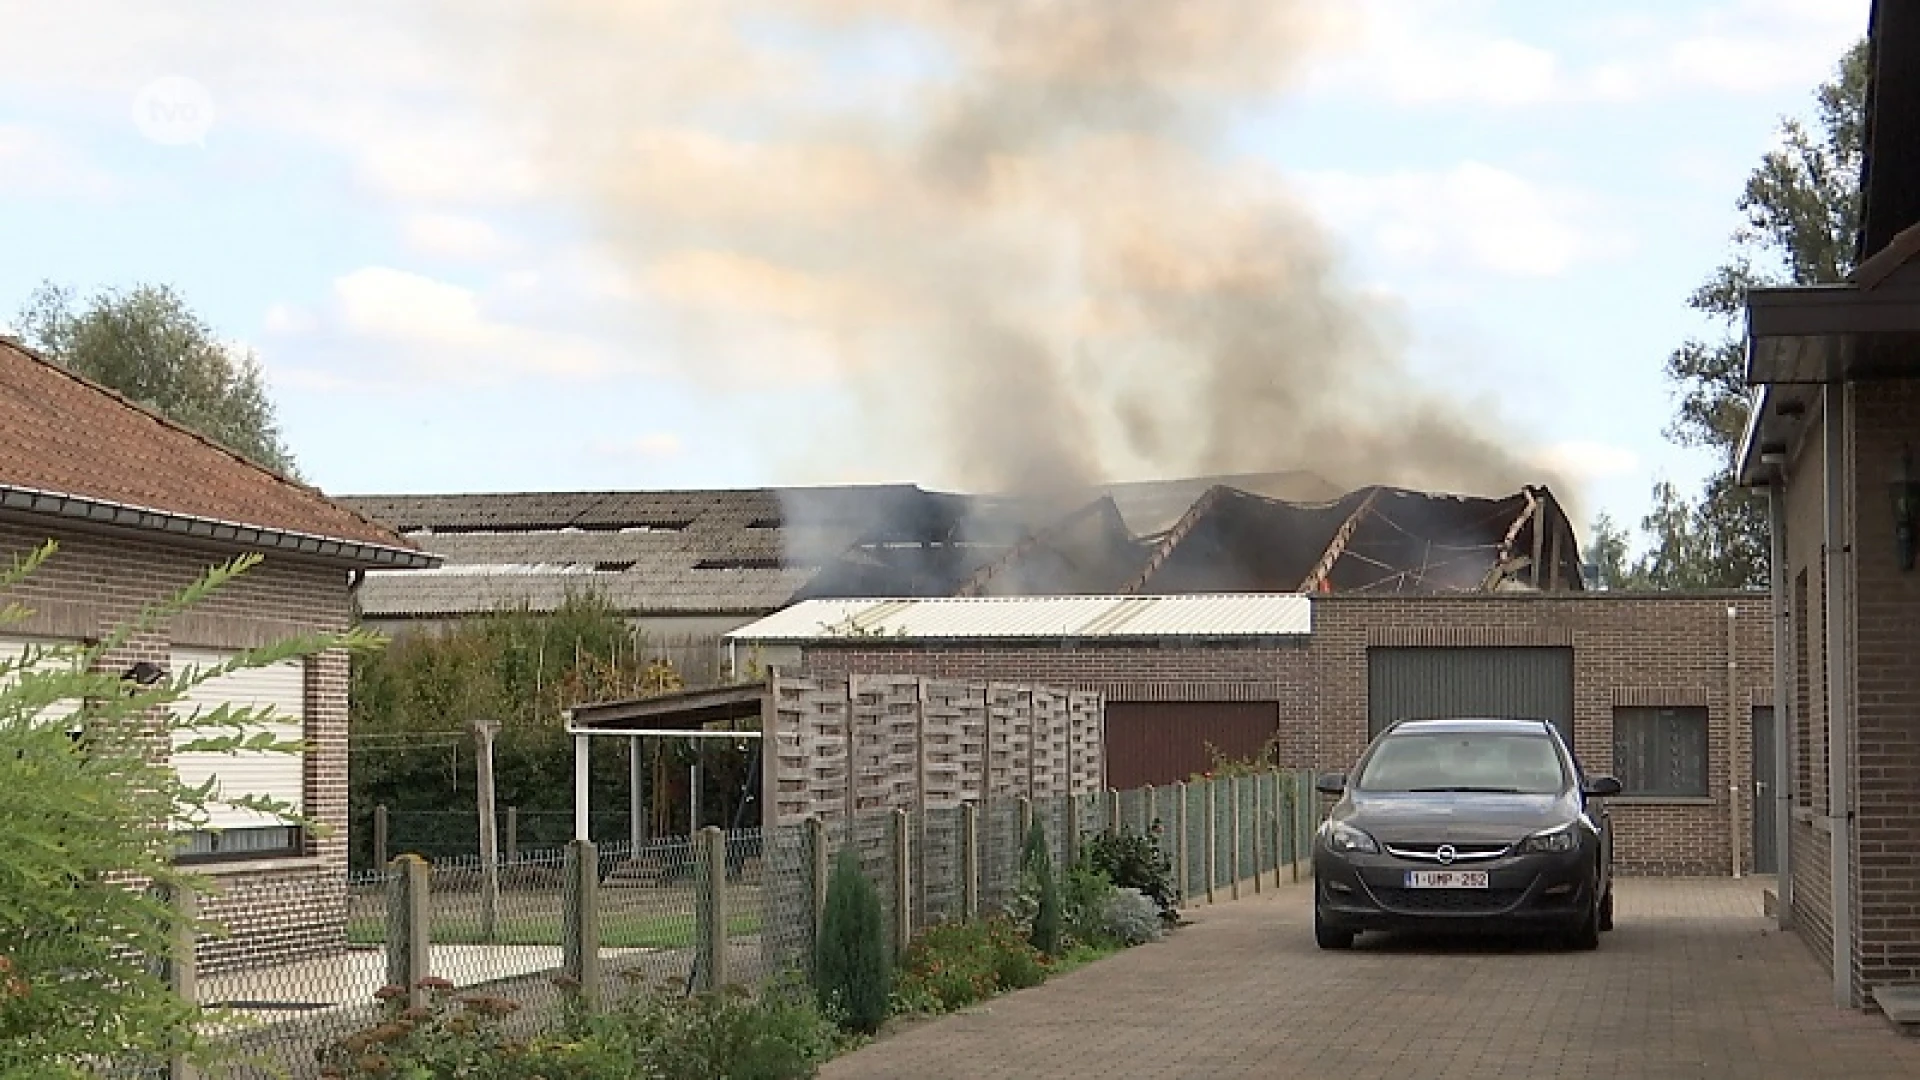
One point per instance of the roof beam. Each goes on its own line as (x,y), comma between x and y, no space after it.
(1338,547)
(1503,559)
(975,584)
(1175,535)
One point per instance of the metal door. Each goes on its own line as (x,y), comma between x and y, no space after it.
(1764,820)
(1414,683)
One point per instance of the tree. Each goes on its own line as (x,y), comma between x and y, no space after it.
(1801,206)
(147,344)
(853,975)
(89,820)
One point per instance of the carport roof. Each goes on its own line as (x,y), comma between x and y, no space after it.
(1036,618)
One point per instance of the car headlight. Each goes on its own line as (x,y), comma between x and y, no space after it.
(1344,839)
(1560,840)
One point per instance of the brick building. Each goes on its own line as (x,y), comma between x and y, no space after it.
(1836,368)
(140,508)
(1670,692)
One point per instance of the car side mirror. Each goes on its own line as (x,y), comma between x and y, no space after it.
(1332,783)
(1601,787)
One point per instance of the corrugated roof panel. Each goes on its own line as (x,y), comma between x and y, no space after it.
(1039,617)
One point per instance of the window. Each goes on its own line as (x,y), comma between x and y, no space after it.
(1660,751)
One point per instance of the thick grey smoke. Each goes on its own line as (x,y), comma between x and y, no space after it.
(1015,228)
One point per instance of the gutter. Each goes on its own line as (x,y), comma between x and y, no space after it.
(103,512)
(1783,710)
(1839,703)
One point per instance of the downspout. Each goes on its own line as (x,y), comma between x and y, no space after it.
(1839,701)
(1782,708)
(1733,735)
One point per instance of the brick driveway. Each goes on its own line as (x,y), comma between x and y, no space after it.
(1694,983)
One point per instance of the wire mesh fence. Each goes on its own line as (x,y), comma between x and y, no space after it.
(293,961)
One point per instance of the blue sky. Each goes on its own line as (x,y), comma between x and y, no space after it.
(410,218)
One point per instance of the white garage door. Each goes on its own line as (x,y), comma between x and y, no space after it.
(14,651)
(280,776)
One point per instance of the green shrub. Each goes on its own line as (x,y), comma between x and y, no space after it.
(1083,901)
(450,1035)
(1132,861)
(852,972)
(733,1034)
(953,965)
(1036,867)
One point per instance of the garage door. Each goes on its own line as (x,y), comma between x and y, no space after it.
(1165,742)
(1407,684)
(281,687)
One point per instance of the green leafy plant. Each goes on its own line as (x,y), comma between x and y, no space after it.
(449,1035)
(77,929)
(953,965)
(852,972)
(1084,894)
(1132,861)
(732,1034)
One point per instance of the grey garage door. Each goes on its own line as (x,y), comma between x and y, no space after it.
(1413,683)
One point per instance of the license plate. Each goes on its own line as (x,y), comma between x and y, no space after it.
(1446,879)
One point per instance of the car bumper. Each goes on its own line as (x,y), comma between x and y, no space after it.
(1524,892)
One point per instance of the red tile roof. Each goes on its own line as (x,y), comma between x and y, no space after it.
(62,434)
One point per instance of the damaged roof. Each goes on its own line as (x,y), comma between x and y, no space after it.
(757,550)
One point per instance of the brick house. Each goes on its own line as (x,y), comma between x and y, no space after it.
(140,508)
(1670,692)
(1836,372)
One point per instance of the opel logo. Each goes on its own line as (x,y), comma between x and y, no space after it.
(1445,854)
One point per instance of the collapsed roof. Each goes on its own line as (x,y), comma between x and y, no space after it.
(749,552)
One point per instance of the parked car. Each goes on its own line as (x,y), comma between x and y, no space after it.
(1465,823)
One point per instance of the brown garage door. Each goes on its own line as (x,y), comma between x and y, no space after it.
(1165,742)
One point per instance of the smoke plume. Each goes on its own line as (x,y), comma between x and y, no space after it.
(1017,229)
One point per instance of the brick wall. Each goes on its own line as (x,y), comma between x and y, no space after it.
(1805,719)
(1669,650)
(1886,745)
(93,585)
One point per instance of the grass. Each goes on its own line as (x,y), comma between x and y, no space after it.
(621,930)
(1080,955)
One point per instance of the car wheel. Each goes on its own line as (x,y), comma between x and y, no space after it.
(1606,910)
(1586,936)
(1329,937)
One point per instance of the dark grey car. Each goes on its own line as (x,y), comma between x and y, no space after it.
(1465,824)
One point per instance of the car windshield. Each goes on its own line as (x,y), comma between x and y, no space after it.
(1464,761)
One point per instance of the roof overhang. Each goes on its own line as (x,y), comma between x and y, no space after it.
(686,713)
(102,515)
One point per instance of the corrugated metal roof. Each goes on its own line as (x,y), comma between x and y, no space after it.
(1217,615)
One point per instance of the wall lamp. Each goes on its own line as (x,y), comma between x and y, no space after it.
(144,673)
(1905,493)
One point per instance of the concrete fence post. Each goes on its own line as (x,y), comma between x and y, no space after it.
(1213,837)
(1278,829)
(1256,831)
(1070,833)
(1113,811)
(710,910)
(1026,826)
(819,865)
(1149,810)
(1295,813)
(1233,824)
(902,880)
(380,834)
(1181,859)
(409,926)
(513,834)
(580,920)
(183,971)
(969,861)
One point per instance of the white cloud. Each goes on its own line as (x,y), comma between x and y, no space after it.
(1429,52)
(652,445)
(453,236)
(1472,217)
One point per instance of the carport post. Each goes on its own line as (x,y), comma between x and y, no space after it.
(581,744)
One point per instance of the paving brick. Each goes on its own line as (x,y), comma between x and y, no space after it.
(1695,983)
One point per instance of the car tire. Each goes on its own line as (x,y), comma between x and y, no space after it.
(1606,910)
(1329,937)
(1585,937)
